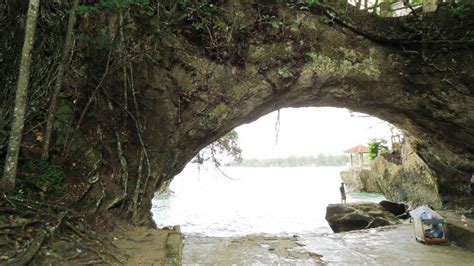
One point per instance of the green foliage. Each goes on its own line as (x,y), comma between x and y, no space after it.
(377,147)
(310,54)
(326,20)
(460,9)
(303,4)
(273,21)
(203,15)
(416,2)
(295,161)
(221,25)
(227,146)
(19,193)
(101,41)
(463,7)
(45,177)
(110,5)
(309,3)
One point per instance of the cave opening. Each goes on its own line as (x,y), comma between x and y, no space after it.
(290,172)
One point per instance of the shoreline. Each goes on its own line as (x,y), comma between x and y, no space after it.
(381,245)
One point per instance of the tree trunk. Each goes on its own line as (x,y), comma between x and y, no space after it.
(386,8)
(9,174)
(429,6)
(59,81)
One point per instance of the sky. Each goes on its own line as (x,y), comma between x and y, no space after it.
(309,131)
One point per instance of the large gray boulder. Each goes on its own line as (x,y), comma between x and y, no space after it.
(356,216)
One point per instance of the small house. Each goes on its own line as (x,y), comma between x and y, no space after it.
(430,227)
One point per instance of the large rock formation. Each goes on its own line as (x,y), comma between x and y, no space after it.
(149,87)
(356,216)
(400,177)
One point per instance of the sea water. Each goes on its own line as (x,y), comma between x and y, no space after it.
(237,201)
(276,216)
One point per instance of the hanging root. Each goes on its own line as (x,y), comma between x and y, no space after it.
(144,166)
(92,178)
(139,128)
(123,165)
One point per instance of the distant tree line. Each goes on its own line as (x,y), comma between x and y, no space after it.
(292,161)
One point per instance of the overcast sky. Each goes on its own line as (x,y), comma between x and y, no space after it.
(309,131)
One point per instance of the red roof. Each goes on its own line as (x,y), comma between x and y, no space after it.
(357,149)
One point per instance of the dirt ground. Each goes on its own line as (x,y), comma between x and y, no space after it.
(125,245)
(145,246)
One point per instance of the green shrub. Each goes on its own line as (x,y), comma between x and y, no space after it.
(46,177)
(376,147)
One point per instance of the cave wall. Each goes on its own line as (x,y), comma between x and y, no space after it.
(147,90)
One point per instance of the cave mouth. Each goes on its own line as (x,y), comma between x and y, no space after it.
(284,196)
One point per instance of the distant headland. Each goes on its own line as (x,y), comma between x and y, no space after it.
(295,161)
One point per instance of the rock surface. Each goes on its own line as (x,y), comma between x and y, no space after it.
(360,180)
(401,179)
(356,216)
(393,207)
(458,233)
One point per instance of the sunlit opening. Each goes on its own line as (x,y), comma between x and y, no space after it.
(289,174)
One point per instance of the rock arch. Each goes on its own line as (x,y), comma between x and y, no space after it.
(327,65)
(415,72)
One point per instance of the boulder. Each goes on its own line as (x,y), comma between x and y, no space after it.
(356,216)
(396,209)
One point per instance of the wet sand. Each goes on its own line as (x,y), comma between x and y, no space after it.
(394,245)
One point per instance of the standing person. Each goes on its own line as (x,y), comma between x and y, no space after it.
(343,193)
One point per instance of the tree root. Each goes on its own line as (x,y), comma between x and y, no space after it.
(34,247)
(84,247)
(31,227)
(93,177)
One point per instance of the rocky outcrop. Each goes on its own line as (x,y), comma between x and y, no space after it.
(360,180)
(411,181)
(356,216)
(405,178)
